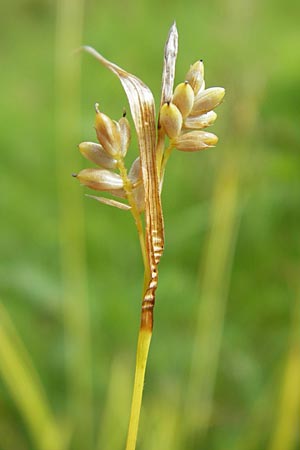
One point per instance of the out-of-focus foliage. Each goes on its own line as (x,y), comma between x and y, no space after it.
(224,360)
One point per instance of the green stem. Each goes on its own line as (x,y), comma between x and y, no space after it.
(166,157)
(160,147)
(145,332)
(143,346)
(134,210)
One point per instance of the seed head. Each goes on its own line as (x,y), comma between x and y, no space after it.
(182,118)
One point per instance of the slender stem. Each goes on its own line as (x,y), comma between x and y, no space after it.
(166,157)
(141,362)
(162,155)
(134,210)
(160,149)
(145,332)
(143,345)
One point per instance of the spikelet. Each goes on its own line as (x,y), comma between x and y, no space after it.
(125,135)
(195,76)
(207,100)
(108,133)
(183,98)
(170,119)
(202,121)
(194,141)
(96,154)
(100,179)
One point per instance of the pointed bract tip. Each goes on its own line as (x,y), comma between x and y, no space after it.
(174,30)
(87,48)
(77,50)
(74,175)
(97,108)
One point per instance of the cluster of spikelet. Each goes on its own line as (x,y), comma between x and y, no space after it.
(191,108)
(182,119)
(114,140)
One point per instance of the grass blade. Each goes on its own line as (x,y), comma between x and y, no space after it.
(25,387)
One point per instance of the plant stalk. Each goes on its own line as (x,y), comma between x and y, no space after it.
(146,326)
(143,346)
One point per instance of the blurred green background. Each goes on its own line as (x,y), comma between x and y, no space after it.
(224,367)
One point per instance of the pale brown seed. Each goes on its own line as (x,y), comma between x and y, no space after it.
(195,76)
(202,121)
(194,141)
(170,119)
(125,135)
(96,153)
(207,100)
(183,98)
(108,133)
(100,179)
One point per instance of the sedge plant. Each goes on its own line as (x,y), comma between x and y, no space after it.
(184,113)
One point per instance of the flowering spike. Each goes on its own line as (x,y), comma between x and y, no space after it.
(189,108)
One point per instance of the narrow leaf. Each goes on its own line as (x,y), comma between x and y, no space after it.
(110,202)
